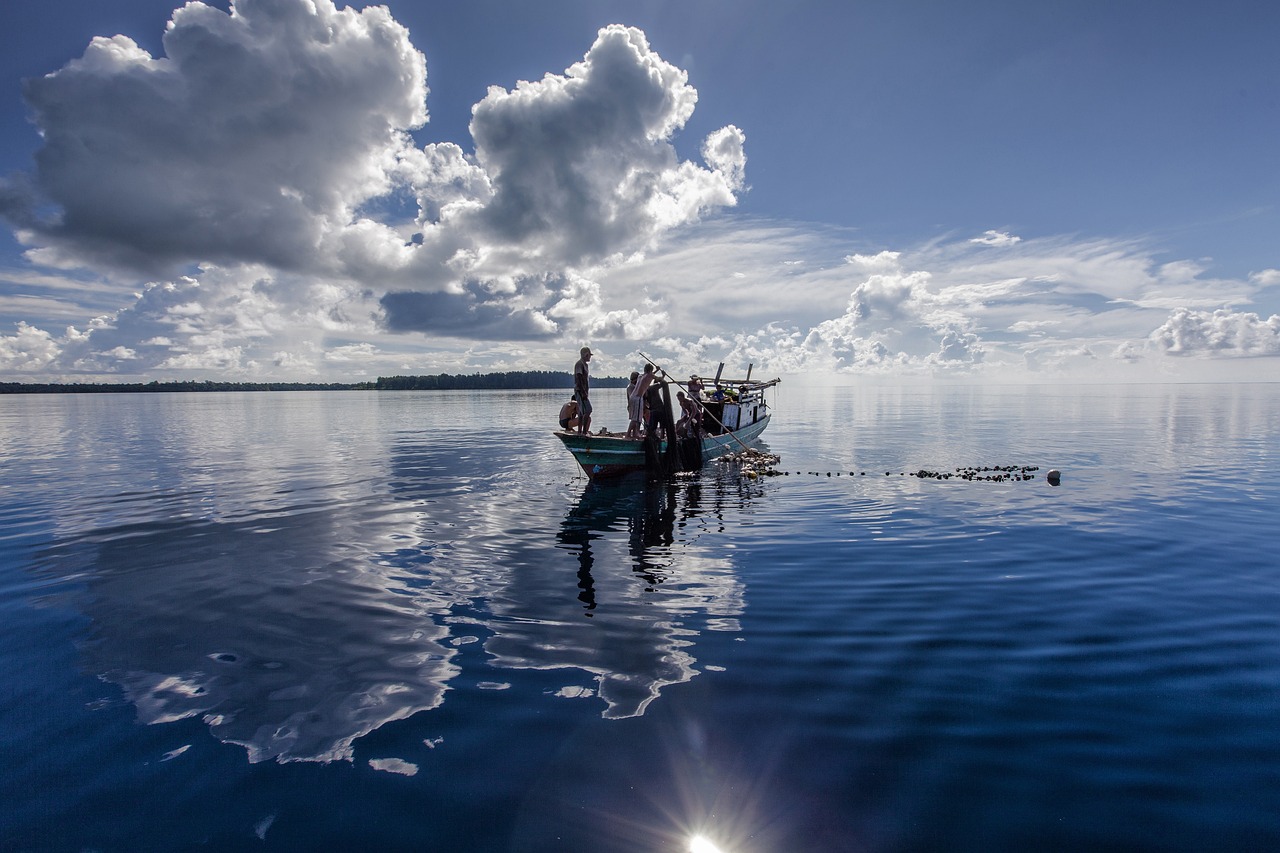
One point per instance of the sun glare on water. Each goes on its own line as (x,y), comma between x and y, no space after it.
(702,844)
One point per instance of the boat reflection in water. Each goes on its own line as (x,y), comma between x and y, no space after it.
(652,573)
(647,514)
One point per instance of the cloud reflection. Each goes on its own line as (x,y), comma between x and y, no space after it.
(276,644)
(294,607)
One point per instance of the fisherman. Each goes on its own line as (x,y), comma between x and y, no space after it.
(699,414)
(581,387)
(690,422)
(695,389)
(641,392)
(657,404)
(569,415)
(634,408)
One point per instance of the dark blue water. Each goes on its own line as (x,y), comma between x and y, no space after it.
(406,621)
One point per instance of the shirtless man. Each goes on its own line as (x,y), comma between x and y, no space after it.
(641,388)
(569,416)
(581,386)
(690,422)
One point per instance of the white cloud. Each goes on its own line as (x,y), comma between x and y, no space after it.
(1032,326)
(274,136)
(224,318)
(996,239)
(252,139)
(890,297)
(352,353)
(268,146)
(1072,360)
(570,172)
(581,165)
(294,364)
(445,180)
(28,351)
(260,171)
(1052,307)
(226,361)
(581,303)
(1221,332)
(959,347)
(880,262)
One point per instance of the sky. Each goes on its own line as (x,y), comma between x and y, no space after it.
(889,191)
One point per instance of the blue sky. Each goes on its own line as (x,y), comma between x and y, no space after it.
(893,191)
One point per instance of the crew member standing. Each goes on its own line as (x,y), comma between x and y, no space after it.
(635,407)
(581,386)
(640,394)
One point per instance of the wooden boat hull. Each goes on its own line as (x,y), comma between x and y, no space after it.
(604,456)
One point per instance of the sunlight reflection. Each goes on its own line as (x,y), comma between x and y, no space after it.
(702,844)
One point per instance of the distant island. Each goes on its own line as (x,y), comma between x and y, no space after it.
(509,381)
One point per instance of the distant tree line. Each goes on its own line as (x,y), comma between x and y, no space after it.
(207,385)
(510,380)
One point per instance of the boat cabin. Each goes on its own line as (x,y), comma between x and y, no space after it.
(731,404)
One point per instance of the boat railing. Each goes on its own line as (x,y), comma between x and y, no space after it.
(750,384)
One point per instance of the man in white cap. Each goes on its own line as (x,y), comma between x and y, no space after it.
(581,386)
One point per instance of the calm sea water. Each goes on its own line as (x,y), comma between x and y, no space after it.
(406,621)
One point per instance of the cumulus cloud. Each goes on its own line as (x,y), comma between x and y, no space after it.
(260,176)
(1046,307)
(959,347)
(581,163)
(28,351)
(1221,332)
(581,304)
(569,172)
(230,320)
(252,139)
(274,138)
(890,297)
(895,320)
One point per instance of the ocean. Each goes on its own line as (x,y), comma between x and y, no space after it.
(406,621)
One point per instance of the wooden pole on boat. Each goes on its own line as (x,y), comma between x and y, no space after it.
(727,431)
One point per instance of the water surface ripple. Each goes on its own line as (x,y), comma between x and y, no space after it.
(405,621)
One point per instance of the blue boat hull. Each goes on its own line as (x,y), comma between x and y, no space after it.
(611,456)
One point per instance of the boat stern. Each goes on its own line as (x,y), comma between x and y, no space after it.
(604,455)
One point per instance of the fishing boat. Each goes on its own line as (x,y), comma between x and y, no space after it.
(734,413)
